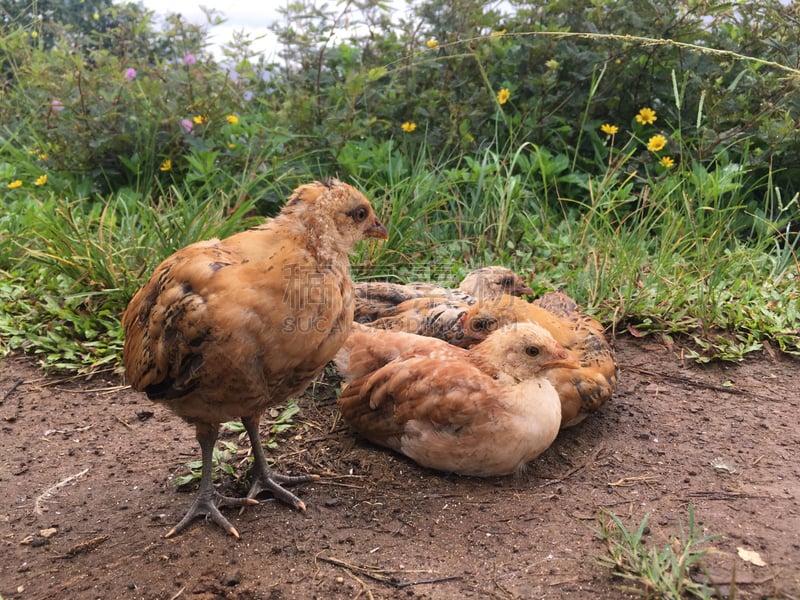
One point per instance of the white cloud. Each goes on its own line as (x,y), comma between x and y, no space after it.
(239,16)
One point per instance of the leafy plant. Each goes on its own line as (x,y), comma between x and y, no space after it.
(501,133)
(221,464)
(223,458)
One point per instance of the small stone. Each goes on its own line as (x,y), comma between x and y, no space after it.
(231,579)
(48,533)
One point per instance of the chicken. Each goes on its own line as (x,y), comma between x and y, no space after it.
(581,390)
(432,317)
(485,411)
(224,329)
(379,299)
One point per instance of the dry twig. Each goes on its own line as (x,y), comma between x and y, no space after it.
(385,576)
(86,546)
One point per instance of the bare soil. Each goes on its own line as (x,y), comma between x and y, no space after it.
(86,495)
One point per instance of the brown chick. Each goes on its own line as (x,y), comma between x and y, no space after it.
(484,412)
(379,299)
(432,317)
(582,390)
(224,329)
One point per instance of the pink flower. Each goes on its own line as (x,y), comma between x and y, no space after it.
(189,59)
(56,105)
(187,125)
(130,74)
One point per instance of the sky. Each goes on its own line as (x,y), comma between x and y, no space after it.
(240,15)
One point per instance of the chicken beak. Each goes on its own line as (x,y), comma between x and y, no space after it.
(376,230)
(467,341)
(562,359)
(524,290)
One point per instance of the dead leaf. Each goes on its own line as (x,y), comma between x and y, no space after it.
(751,556)
(721,464)
(634,332)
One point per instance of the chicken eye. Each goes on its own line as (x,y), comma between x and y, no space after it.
(532,351)
(359,214)
(507,282)
(484,324)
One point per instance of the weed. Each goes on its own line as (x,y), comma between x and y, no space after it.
(663,573)
(223,459)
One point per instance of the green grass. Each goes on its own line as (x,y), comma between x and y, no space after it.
(654,572)
(697,251)
(679,253)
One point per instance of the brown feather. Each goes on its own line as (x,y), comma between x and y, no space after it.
(484,411)
(582,390)
(225,328)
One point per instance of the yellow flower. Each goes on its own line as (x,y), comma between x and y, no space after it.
(609,129)
(646,116)
(231,145)
(503,95)
(199,119)
(408,126)
(432,43)
(15,184)
(42,180)
(656,143)
(666,162)
(166,165)
(552,64)
(43,156)
(232,119)
(96,16)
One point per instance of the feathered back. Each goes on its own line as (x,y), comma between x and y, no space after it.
(229,325)
(485,411)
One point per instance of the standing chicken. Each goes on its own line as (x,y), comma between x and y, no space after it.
(485,411)
(224,329)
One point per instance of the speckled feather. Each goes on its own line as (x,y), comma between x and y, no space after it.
(381,299)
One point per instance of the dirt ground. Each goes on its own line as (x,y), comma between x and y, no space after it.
(86,495)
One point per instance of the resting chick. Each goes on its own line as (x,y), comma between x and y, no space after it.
(380,299)
(485,411)
(582,390)
(224,329)
(432,317)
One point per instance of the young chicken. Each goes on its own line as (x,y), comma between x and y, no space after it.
(432,317)
(224,329)
(379,299)
(485,411)
(581,390)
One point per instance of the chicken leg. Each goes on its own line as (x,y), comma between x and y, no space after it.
(264,479)
(208,499)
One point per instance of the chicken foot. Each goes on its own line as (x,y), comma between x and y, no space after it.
(208,499)
(264,479)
